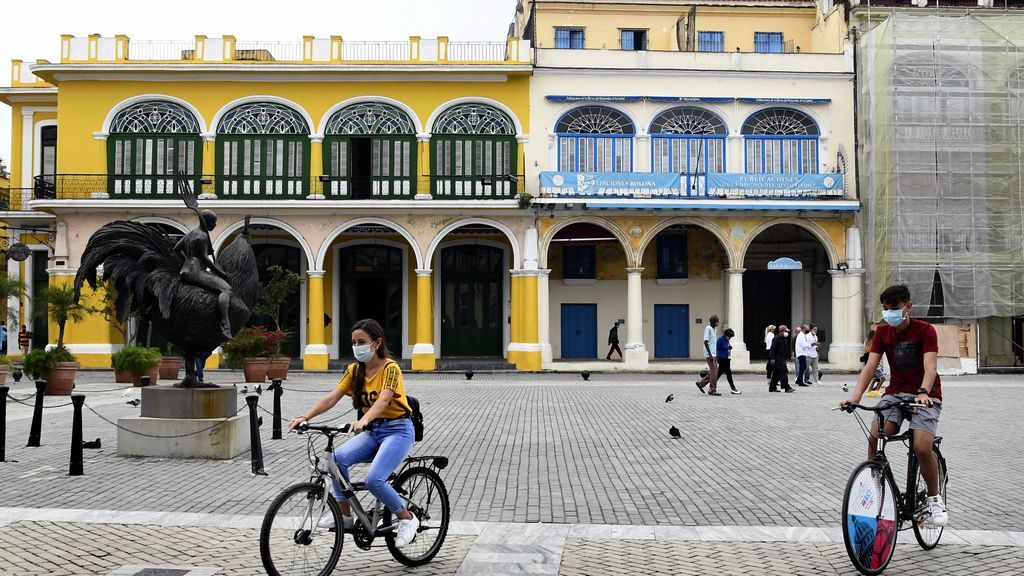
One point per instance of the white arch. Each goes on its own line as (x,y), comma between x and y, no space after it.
(147,98)
(715,231)
(614,230)
(161,220)
(362,99)
(638,127)
(468,221)
(261,98)
(474,100)
(321,257)
(809,225)
(232,228)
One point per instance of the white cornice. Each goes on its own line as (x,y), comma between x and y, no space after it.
(275,206)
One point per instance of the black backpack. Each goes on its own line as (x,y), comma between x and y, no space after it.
(416,416)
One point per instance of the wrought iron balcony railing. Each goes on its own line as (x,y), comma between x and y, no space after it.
(14,199)
(152,187)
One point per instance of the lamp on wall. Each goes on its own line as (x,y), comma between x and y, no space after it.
(843,266)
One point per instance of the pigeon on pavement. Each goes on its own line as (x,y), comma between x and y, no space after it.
(669,399)
(674,433)
(259,388)
(134,402)
(92,444)
(244,390)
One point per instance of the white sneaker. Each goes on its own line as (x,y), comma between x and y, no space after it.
(327,521)
(937,508)
(406,532)
(737,392)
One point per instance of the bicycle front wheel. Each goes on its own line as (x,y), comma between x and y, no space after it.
(927,534)
(870,518)
(292,542)
(425,496)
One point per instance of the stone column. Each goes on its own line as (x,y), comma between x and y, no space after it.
(642,153)
(847,343)
(544,315)
(422,181)
(316,168)
(315,356)
(635,352)
(529,354)
(734,316)
(515,296)
(423,357)
(27,150)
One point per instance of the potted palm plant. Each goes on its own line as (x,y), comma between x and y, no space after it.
(136,362)
(109,310)
(170,365)
(57,365)
(248,349)
(280,285)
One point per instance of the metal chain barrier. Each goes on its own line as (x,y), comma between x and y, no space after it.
(119,427)
(44,407)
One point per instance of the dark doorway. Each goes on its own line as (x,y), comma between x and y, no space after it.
(767,299)
(39,323)
(472,300)
(370,280)
(362,168)
(289,258)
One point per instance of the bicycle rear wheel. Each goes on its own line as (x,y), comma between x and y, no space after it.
(927,535)
(870,518)
(425,496)
(291,541)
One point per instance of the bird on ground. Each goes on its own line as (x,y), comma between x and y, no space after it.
(670,398)
(845,387)
(244,390)
(469,374)
(674,433)
(259,388)
(128,392)
(134,402)
(92,444)
(585,374)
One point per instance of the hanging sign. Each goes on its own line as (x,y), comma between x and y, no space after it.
(566,98)
(776,182)
(19,252)
(712,99)
(785,264)
(785,100)
(609,184)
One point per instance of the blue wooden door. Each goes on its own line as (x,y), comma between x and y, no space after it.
(579,331)
(671,338)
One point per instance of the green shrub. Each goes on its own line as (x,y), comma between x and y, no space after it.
(39,363)
(4,360)
(250,342)
(136,360)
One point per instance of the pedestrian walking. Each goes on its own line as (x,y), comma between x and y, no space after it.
(724,350)
(710,344)
(613,341)
(769,334)
(3,338)
(812,358)
(803,345)
(24,339)
(200,364)
(778,355)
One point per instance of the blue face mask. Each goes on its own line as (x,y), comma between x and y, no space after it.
(362,353)
(893,317)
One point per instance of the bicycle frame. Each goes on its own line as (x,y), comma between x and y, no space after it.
(348,490)
(907,499)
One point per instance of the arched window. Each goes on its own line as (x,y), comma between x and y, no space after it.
(149,143)
(474,153)
(595,139)
(370,152)
(690,141)
(932,98)
(781,141)
(262,150)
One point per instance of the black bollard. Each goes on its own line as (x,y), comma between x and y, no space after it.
(278,391)
(3,421)
(36,431)
(144,381)
(254,435)
(75,469)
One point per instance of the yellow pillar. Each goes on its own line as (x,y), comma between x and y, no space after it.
(423,350)
(316,167)
(209,148)
(423,167)
(515,314)
(529,356)
(315,356)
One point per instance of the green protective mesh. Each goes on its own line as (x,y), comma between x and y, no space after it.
(939,114)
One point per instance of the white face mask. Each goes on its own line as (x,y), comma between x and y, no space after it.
(362,353)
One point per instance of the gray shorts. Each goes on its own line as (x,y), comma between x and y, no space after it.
(925,418)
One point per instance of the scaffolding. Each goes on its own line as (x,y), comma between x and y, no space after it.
(940,101)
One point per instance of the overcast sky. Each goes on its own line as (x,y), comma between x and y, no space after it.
(33,28)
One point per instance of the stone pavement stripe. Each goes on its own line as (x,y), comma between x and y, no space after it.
(516,549)
(133,569)
(514,531)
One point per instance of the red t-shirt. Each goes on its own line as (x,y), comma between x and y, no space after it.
(905,352)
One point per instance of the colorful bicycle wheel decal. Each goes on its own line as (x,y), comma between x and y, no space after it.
(871,519)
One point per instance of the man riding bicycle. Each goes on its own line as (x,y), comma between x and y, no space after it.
(911,348)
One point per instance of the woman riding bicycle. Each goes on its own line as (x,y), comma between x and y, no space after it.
(384,430)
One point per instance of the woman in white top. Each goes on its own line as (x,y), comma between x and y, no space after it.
(769,334)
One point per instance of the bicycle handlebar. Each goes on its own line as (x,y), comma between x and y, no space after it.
(849,407)
(307,427)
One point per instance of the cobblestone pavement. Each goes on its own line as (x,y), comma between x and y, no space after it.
(550,448)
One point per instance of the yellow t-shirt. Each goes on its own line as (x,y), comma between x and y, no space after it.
(387,378)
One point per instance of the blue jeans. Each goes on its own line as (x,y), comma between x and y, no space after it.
(199,367)
(386,445)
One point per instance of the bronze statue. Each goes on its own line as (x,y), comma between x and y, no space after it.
(192,299)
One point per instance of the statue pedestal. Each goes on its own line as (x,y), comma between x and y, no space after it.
(185,423)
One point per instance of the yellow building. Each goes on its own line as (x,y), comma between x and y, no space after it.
(489,200)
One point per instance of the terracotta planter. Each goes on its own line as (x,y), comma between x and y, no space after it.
(4,370)
(153,374)
(170,366)
(255,369)
(278,368)
(62,379)
(122,377)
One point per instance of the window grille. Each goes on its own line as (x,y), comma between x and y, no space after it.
(768,42)
(711,41)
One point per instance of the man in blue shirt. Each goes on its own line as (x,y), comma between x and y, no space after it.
(710,338)
(724,350)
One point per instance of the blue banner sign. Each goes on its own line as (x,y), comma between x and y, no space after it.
(610,184)
(785,100)
(562,98)
(690,99)
(830,184)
